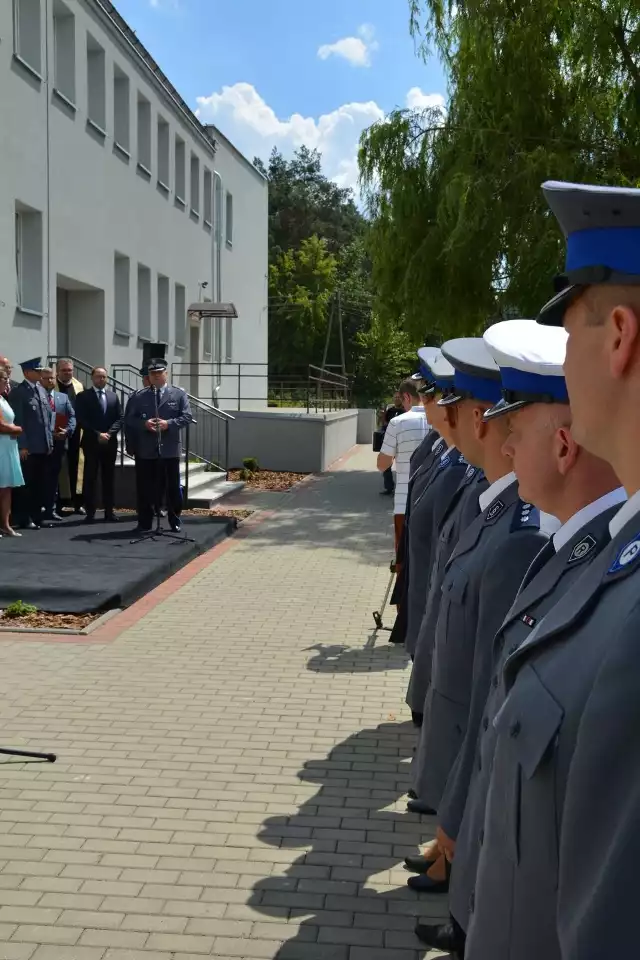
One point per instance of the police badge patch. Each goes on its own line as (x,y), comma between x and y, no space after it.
(494,510)
(581,549)
(626,556)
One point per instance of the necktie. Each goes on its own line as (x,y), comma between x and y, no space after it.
(52,402)
(103,401)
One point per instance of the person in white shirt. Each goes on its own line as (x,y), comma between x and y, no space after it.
(403,434)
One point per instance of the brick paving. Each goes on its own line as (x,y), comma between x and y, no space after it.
(232,767)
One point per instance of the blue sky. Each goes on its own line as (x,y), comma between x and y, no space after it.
(287,72)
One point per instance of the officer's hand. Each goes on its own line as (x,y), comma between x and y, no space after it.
(24,454)
(151,426)
(446,844)
(163,425)
(103,438)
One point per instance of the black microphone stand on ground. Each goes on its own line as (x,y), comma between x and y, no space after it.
(28,754)
(159,531)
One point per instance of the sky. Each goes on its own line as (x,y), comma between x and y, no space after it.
(289,72)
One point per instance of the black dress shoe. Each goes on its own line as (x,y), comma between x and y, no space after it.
(412,794)
(424,884)
(80,511)
(111,518)
(29,525)
(52,516)
(441,936)
(418,864)
(176,527)
(89,518)
(419,806)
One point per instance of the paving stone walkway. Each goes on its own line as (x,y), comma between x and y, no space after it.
(231,769)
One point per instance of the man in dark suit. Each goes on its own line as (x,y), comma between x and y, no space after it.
(32,413)
(63,424)
(67,383)
(99,415)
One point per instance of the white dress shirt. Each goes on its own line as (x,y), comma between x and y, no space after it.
(586,514)
(496,488)
(624,514)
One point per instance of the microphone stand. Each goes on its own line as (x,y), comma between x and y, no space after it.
(159,531)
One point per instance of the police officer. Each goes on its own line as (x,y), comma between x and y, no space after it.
(32,413)
(155,417)
(583,492)
(562,831)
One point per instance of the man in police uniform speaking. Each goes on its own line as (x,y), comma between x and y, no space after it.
(154,419)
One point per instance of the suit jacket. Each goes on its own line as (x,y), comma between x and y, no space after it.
(72,391)
(94,422)
(173,407)
(483,575)
(562,830)
(31,407)
(64,407)
(462,811)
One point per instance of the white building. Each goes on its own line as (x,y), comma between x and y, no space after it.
(118,208)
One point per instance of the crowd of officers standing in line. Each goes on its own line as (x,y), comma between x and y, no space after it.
(518,596)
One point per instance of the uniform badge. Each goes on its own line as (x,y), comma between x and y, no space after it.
(581,549)
(530,621)
(470,473)
(444,462)
(626,555)
(494,510)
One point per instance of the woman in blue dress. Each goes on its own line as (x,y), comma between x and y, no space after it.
(10,469)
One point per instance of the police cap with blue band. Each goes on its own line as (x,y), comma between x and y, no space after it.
(476,374)
(33,364)
(442,375)
(426,356)
(602,229)
(530,358)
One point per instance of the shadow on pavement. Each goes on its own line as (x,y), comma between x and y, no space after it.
(337,658)
(346,893)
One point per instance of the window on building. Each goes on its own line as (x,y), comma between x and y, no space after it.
(207,191)
(144,134)
(29,259)
(163,154)
(206,335)
(64,39)
(229,219)
(96,92)
(228,340)
(144,302)
(180,172)
(121,110)
(27,44)
(217,207)
(195,185)
(163,309)
(181,316)
(122,295)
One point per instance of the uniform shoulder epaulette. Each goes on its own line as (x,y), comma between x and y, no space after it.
(470,473)
(439,447)
(526,517)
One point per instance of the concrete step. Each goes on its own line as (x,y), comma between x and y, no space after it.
(207,487)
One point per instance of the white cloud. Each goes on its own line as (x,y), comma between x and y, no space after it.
(417,100)
(356,50)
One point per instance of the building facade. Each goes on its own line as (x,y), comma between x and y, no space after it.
(118,208)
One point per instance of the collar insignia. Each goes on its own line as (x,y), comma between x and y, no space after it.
(581,549)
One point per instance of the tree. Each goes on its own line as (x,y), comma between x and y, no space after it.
(383,354)
(547,90)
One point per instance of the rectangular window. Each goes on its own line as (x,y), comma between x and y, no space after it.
(229,220)
(228,340)
(181,316)
(195,185)
(64,39)
(144,134)
(207,190)
(96,92)
(206,332)
(163,153)
(29,259)
(180,173)
(121,110)
(122,295)
(163,309)
(27,44)
(144,302)
(217,208)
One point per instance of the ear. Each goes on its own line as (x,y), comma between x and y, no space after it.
(566,450)
(451,415)
(479,425)
(622,339)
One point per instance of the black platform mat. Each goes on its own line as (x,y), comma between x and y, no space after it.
(81,568)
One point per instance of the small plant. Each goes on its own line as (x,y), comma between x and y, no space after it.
(19,609)
(251,464)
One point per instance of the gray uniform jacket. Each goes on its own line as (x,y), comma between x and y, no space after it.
(426,513)
(461,813)
(482,579)
(173,407)
(557,876)
(33,413)
(461,511)
(63,406)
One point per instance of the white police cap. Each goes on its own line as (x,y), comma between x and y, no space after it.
(530,358)
(476,374)
(426,356)
(602,229)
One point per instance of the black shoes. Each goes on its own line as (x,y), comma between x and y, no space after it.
(418,864)
(111,518)
(90,518)
(419,806)
(424,884)
(29,525)
(442,936)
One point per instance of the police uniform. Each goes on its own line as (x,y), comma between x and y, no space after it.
(32,412)
(482,578)
(562,829)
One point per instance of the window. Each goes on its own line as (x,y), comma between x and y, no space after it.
(144,134)
(96,93)
(206,335)
(181,316)
(64,39)
(195,185)
(144,302)
(122,295)
(163,153)
(181,173)
(27,33)
(228,340)
(121,110)
(208,198)
(163,309)
(29,259)
(229,219)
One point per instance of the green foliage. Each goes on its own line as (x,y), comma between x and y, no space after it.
(383,355)
(251,463)
(19,609)
(547,90)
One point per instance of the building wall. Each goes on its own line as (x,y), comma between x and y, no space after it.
(96,201)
